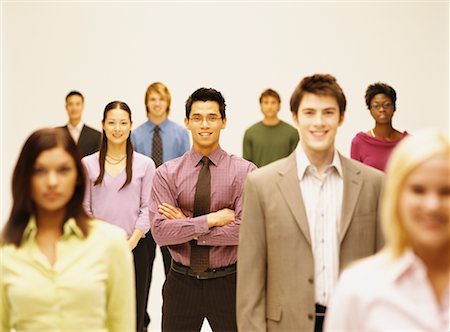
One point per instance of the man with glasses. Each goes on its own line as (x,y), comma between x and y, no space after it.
(196,211)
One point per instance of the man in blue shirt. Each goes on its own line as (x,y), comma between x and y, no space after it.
(162,140)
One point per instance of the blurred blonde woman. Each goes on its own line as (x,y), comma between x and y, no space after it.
(60,270)
(406,286)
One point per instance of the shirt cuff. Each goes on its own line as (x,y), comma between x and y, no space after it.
(200,225)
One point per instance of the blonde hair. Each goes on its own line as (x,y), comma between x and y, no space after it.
(162,90)
(409,154)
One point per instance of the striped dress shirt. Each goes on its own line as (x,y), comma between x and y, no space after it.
(322,196)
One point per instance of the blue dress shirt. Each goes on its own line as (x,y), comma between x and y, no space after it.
(175,139)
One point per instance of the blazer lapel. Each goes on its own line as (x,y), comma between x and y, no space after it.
(289,187)
(82,137)
(352,188)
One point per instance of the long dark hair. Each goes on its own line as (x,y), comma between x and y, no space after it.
(23,206)
(104,145)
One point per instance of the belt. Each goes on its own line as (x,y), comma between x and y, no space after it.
(320,310)
(208,274)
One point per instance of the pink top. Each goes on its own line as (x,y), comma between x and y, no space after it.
(381,294)
(127,207)
(174,183)
(373,151)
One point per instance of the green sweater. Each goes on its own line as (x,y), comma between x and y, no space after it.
(265,144)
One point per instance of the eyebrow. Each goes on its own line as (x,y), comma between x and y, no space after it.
(315,109)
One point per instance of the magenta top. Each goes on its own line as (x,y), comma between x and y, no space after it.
(174,183)
(127,207)
(373,151)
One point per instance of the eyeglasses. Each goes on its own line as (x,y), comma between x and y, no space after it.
(386,106)
(211,119)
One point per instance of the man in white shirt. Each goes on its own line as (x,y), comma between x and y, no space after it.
(305,217)
(87,138)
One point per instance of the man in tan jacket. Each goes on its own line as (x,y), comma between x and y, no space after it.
(305,218)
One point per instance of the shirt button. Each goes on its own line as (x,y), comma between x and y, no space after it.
(311,280)
(310,316)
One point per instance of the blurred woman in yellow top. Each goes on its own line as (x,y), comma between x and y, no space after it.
(61,270)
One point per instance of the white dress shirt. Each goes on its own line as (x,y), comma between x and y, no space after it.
(323,203)
(75,131)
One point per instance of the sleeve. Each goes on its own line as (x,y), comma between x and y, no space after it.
(5,311)
(133,140)
(294,140)
(227,235)
(171,232)
(87,200)
(247,147)
(355,150)
(185,143)
(143,222)
(121,307)
(251,262)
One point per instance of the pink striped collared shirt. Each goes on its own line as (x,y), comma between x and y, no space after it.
(174,183)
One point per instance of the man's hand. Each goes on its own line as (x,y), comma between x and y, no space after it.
(170,212)
(220,218)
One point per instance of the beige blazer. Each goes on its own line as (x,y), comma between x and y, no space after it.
(275,280)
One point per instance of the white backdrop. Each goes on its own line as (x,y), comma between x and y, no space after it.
(112,50)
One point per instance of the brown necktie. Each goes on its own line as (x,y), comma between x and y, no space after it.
(157,152)
(202,202)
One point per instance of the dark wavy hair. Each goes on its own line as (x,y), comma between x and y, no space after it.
(104,145)
(23,205)
(318,84)
(206,94)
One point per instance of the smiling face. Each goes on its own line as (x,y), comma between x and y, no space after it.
(53,180)
(205,124)
(382,109)
(157,105)
(317,120)
(424,205)
(117,126)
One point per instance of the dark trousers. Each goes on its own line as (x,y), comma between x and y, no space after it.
(167,258)
(320,317)
(188,300)
(140,256)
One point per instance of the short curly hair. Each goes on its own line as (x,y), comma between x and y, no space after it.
(377,88)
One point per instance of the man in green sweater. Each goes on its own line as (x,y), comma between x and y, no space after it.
(270,139)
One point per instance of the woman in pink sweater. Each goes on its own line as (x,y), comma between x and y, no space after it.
(374,147)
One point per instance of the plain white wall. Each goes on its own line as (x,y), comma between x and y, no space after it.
(112,50)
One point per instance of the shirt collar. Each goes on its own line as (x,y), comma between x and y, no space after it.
(162,125)
(215,156)
(303,162)
(78,127)
(70,228)
(407,263)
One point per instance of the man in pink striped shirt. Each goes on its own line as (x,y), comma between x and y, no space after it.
(190,296)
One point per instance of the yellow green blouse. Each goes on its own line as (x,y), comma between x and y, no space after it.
(89,288)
